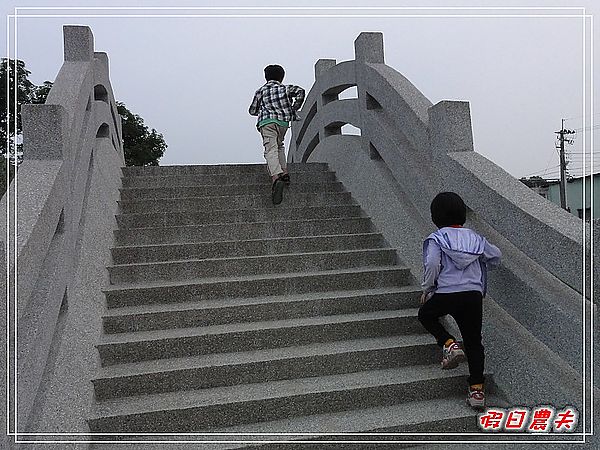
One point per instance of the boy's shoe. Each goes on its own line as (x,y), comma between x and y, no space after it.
(452,356)
(277,191)
(285,178)
(475,398)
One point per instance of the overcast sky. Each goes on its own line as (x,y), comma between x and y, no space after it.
(193,78)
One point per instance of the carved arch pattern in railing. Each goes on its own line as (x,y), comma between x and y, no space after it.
(411,150)
(63,140)
(429,148)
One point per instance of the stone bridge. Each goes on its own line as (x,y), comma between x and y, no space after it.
(181,325)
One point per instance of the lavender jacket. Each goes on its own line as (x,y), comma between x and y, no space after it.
(456,260)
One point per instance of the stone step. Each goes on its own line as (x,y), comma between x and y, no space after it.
(231,189)
(242,231)
(375,428)
(171,181)
(257,286)
(262,201)
(220,169)
(221,311)
(237,337)
(210,409)
(449,413)
(198,217)
(230,369)
(251,247)
(249,265)
(389,427)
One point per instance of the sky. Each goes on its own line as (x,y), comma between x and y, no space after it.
(192,78)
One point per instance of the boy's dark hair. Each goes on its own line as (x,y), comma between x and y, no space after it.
(274,72)
(447,208)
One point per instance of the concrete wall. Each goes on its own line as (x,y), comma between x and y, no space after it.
(66,191)
(408,151)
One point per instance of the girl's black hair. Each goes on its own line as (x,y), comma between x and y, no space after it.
(447,208)
(274,72)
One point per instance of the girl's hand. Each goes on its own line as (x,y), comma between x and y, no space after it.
(423,298)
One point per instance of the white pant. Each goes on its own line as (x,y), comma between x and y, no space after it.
(272,135)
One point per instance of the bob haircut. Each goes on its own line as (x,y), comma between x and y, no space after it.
(274,72)
(447,209)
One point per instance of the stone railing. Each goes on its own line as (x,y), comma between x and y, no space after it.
(71,144)
(408,150)
(430,147)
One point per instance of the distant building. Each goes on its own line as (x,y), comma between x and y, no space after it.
(550,189)
(537,184)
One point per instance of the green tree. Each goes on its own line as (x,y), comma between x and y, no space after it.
(142,146)
(17,81)
(40,93)
(11,132)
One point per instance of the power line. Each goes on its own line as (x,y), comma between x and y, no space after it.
(595,127)
(563,162)
(581,117)
(548,163)
(576,152)
(578,157)
(588,154)
(542,172)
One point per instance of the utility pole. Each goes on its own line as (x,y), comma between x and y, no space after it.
(563,162)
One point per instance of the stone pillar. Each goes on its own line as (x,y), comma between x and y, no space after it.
(79,43)
(102,59)
(450,127)
(45,132)
(323,65)
(368,48)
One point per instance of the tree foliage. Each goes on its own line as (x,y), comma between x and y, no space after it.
(14,79)
(18,82)
(41,92)
(142,146)
(26,92)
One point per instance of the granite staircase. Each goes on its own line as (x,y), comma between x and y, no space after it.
(228,314)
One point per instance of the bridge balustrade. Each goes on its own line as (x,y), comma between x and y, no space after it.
(408,151)
(68,142)
(429,148)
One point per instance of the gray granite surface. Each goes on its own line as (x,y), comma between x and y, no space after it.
(237,373)
(408,151)
(67,189)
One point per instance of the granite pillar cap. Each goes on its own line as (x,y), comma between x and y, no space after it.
(102,58)
(323,65)
(79,43)
(45,131)
(368,47)
(450,128)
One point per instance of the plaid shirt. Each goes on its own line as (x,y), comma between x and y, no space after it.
(277,101)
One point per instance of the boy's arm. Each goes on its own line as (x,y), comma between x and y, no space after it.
(297,93)
(432,262)
(491,254)
(254,106)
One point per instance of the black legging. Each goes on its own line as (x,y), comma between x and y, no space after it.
(466,308)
